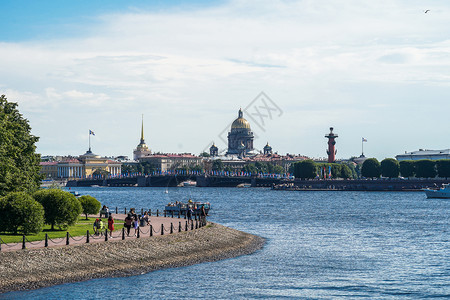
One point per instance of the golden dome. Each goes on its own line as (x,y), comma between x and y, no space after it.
(240,122)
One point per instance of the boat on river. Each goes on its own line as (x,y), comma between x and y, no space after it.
(181,208)
(442,193)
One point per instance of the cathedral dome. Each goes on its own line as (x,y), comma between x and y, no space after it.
(240,122)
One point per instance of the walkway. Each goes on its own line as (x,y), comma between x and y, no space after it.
(157,224)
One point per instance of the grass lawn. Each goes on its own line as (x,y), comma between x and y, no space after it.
(78,229)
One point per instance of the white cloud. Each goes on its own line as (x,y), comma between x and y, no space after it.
(324,62)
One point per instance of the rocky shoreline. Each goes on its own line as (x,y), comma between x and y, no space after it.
(36,268)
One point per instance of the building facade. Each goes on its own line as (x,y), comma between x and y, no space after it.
(240,137)
(424,154)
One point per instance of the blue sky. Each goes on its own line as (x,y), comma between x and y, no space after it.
(373,69)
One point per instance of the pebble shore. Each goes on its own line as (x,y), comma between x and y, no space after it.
(36,268)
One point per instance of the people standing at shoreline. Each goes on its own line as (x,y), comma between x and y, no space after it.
(136,224)
(146,218)
(128,223)
(203,215)
(110,225)
(189,213)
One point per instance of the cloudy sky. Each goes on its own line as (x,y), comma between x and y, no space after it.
(373,69)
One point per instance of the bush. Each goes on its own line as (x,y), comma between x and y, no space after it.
(407,168)
(61,207)
(305,169)
(390,168)
(346,172)
(443,168)
(425,168)
(20,212)
(89,205)
(371,168)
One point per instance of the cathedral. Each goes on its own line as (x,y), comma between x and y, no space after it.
(142,149)
(240,138)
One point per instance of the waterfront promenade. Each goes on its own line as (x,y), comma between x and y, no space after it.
(167,224)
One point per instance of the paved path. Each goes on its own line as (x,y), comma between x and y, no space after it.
(156,223)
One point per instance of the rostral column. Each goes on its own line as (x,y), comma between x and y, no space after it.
(331,149)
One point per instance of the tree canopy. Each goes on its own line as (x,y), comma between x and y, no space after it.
(390,168)
(61,207)
(371,168)
(425,168)
(305,169)
(19,164)
(20,212)
(407,168)
(443,168)
(89,204)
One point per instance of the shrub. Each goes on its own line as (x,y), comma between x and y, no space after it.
(407,168)
(61,207)
(20,212)
(425,168)
(89,205)
(443,168)
(371,168)
(305,169)
(390,168)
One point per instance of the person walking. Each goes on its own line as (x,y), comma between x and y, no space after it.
(110,225)
(128,223)
(95,226)
(101,226)
(189,213)
(203,215)
(136,224)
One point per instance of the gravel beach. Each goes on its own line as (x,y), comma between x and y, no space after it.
(36,268)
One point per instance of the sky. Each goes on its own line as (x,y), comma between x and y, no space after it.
(378,70)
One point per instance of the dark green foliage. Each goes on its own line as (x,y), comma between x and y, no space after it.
(101,172)
(217,165)
(19,164)
(371,168)
(144,167)
(263,167)
(425,168)
(390,168)
(305,169)
(443,168)
(346,172)
(407,168)
(61,207)
(19,212)
(205,154)
(89,205)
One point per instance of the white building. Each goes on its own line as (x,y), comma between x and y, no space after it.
(424,154)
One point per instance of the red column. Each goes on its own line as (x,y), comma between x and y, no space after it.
(331,148)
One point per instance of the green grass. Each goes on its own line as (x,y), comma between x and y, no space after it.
(78,229)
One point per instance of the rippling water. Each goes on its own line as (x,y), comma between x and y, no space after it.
(319,245)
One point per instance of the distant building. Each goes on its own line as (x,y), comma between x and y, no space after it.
(79,167)
(240,137)
(213,150)
(424,154)
(171,161)
(141,149)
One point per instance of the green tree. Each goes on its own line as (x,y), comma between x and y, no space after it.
(205,154)
(305,169)
(61,207)
(20,212)
(443,168)
(390,168)
(101,172)
(250,168)
(425,168)
(89,205)
(19,164)
(278,169)
(371,168)
(217,165)
(407,168)
(346,172)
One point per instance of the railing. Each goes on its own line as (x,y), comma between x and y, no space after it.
(106,235)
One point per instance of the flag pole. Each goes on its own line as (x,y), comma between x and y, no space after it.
(362,147)
(89,140)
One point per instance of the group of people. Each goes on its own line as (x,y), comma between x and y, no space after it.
(99,226)
(133,220)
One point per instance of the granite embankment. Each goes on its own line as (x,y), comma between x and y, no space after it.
(36,268)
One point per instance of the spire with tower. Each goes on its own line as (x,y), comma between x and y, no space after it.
(331,146)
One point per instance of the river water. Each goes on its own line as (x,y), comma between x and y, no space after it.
(321,245)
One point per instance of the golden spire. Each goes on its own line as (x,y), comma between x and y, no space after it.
(142,130)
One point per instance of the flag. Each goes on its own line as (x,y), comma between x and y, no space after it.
(364,140)
(91,132)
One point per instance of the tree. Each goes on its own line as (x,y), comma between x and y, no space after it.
(425,168)
(305,169)
(205,154)
(101,172)
(346,172)
(19,164)
(89,205)
(371,168)
(217,165)
(407,168)
(20,212)
(443,168)
(61,207)
(390,168)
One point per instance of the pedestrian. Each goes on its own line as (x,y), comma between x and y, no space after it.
(189,213)
(101,226)
(136,224)
(146,218)
(128,223)
(110,225)
(95,227)
(203,215)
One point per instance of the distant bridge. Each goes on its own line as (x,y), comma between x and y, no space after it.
(175,180)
